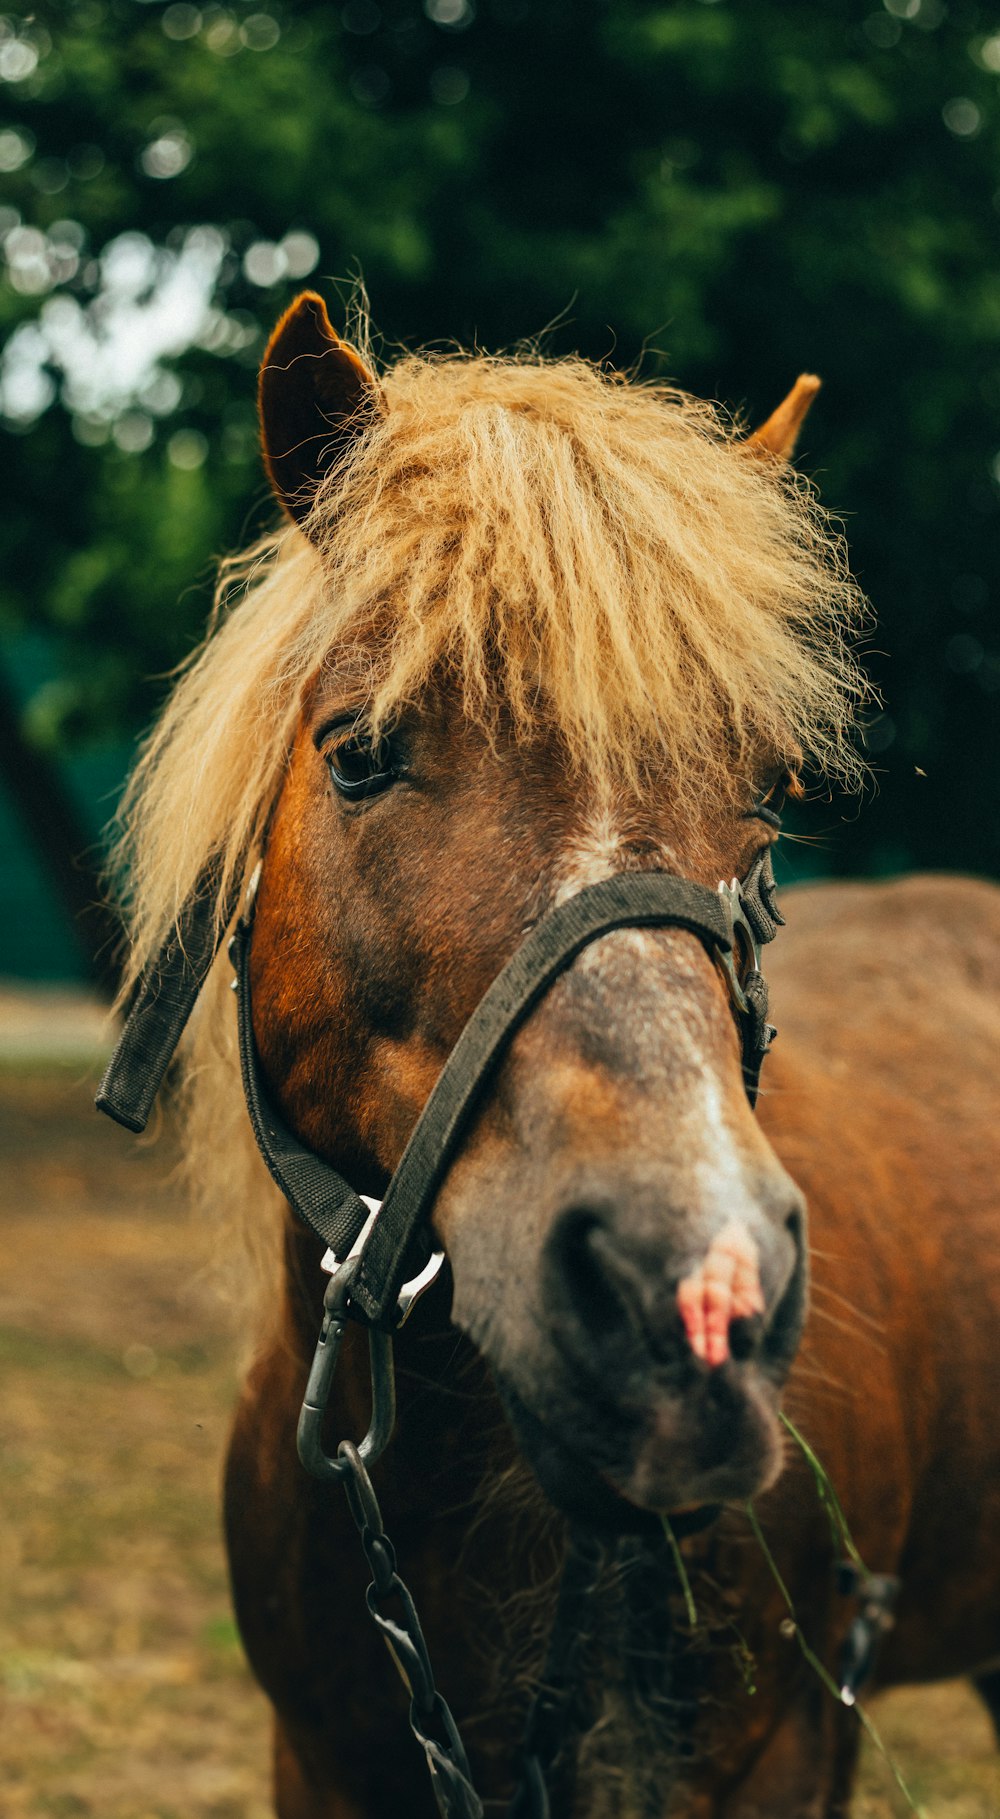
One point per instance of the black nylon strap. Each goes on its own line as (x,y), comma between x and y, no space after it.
(632,900)
(161,1007)
(758,898)
(320,1196)
(758,1034)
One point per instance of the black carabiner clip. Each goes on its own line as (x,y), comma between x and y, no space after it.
(309,1437)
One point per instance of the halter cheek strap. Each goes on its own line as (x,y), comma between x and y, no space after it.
(736,916)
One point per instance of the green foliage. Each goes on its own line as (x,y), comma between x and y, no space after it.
(753,188)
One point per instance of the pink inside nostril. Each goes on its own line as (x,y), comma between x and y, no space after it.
(724,1287)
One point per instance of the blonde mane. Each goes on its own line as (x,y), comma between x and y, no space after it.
(591,557)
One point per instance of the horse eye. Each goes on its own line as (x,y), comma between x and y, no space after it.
(770,802)
(766,811)
(362,767)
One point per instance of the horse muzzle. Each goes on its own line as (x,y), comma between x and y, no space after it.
(661,1387)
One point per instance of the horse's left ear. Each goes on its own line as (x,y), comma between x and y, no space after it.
(780,433)
(315,395)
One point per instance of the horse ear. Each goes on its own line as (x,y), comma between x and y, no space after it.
(315,395)
(780,433)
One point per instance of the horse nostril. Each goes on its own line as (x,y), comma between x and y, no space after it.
(746,1336)
(582,1282)
(610,1296)
(785,1328)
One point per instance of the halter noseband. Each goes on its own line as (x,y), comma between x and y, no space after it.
(734,914)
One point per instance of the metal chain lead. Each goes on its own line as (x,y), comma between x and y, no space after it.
(431,1720)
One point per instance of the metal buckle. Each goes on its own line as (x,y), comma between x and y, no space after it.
(732,897)
(309,1436)
(411,1291)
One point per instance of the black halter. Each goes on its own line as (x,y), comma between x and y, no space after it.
(736,915)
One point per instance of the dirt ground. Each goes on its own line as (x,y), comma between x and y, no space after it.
(123,1691)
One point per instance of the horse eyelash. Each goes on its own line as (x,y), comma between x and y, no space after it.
(350,723)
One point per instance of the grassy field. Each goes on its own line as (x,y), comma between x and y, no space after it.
(124,1690)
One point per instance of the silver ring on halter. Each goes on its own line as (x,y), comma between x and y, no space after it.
(726,958)
(309,1436)
(411,1291)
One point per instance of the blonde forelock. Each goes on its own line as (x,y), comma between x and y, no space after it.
(594,559)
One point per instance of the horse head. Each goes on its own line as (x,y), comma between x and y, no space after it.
(549,661)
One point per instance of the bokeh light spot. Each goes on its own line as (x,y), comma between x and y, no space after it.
(167,155)
(133,433)
(264,262)
(370,85)
(962,117)
(50,175)
(187,449)
(222,35)
(26,252)
(301,253)
(16,147)
(181,21)
(161,393)
(454,15)
(18,60)
(260,32)
(963,653)
(449,85)
(91,432)
(882,31)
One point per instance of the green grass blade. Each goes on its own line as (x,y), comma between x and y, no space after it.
(682,1572)
(822,1672)
(827,1495)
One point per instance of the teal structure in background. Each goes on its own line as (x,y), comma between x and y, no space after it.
(36,933)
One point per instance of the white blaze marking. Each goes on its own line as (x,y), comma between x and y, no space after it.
(726,1284)
(596,855)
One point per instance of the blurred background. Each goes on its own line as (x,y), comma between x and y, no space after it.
(732,192)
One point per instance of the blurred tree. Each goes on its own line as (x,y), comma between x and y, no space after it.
(752,188)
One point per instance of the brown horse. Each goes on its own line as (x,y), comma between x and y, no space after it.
(531,626)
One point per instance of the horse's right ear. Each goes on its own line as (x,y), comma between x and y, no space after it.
(780,433)
(315,395)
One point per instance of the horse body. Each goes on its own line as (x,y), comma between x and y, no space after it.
(542,629)
(876,1102)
